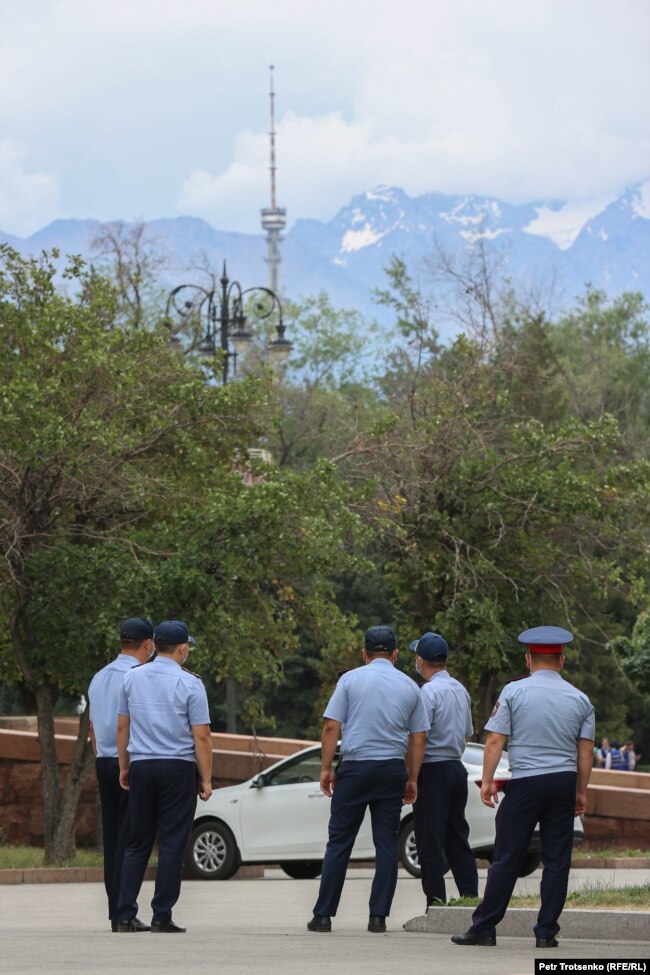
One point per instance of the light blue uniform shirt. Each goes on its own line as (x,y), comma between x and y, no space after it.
(449,710)
(103,695)
(163,702)
(378,707)
(544,716)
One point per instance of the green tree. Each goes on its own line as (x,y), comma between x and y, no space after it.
(125,486)
(496,504)
(602,348)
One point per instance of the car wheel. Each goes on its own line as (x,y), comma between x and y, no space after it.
(408,853)
(302,869)
(530,864)
(212,853)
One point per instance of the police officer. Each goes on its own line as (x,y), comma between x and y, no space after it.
(383,720)
(551,727)
(136,646)
(441,830)
(163,734)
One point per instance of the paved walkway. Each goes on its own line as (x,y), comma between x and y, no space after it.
(245,926)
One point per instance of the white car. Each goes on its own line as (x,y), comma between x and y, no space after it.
(281,816)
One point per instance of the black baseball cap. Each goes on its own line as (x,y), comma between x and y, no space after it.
(430,646)
(173,632)
(380,639)
(136,628)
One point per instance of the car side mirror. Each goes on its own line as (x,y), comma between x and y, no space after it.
(258,782)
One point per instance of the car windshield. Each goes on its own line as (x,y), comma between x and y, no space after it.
(305,769)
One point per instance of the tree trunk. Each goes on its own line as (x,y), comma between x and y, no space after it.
(63,843)
(49,763)
(59,805)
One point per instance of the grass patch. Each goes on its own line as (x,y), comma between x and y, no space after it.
(30,857)
(27,857)
(606,853)
(589,897)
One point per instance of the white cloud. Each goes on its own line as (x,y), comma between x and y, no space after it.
(146,107)
(27,200)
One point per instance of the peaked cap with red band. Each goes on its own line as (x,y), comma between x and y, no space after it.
(545,639)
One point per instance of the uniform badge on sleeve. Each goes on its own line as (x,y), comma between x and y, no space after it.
(496,708)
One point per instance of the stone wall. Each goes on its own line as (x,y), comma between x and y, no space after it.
(618,807)
(21,804)
(618,810)
(236,758)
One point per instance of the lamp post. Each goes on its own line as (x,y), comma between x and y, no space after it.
(226,330)
(226,325)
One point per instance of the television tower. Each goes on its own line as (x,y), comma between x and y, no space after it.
(274,218)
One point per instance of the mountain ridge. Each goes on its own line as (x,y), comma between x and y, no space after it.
(605,244)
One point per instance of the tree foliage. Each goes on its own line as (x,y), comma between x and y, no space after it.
(125,486)
(476,488)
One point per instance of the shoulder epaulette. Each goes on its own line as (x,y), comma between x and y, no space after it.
(191,672)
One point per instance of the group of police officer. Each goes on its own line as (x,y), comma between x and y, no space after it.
(150,729)
(403,744)
(400,743)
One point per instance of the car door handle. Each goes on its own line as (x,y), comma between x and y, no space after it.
(315,795)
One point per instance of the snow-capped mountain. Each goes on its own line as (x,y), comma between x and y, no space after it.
(605,243)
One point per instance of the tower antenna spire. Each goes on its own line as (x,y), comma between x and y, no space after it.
(273,166)
(274,218)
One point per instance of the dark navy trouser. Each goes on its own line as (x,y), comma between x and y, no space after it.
(162,802)
(550,801)
(441,830)
(379,786)
(114,803)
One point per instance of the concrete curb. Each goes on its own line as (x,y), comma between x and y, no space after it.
(611,863)
(88,875)
(60,875)
(519,922)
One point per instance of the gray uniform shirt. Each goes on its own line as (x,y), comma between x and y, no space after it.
(163,703)
(544,716)
(103,695)
(449,710)
(378,707)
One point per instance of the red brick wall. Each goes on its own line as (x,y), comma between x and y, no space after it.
(236,758)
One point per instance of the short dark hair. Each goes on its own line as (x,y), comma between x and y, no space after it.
(165,647)
(543,657)
(133,644)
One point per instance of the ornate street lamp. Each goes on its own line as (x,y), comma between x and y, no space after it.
(226,326)
(226,329)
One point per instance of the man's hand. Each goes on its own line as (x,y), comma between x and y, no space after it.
(327,782)
(205,789)
(489,794)
(410,792)
(581,802)
(124,779)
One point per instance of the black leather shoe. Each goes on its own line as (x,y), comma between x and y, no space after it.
(376,924)
(113,926)
(319,923)
(471,938)
(166,927)
(546,943)
(132,926)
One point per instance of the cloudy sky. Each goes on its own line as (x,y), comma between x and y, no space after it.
(138,109)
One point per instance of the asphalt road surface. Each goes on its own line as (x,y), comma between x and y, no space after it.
(258,926)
